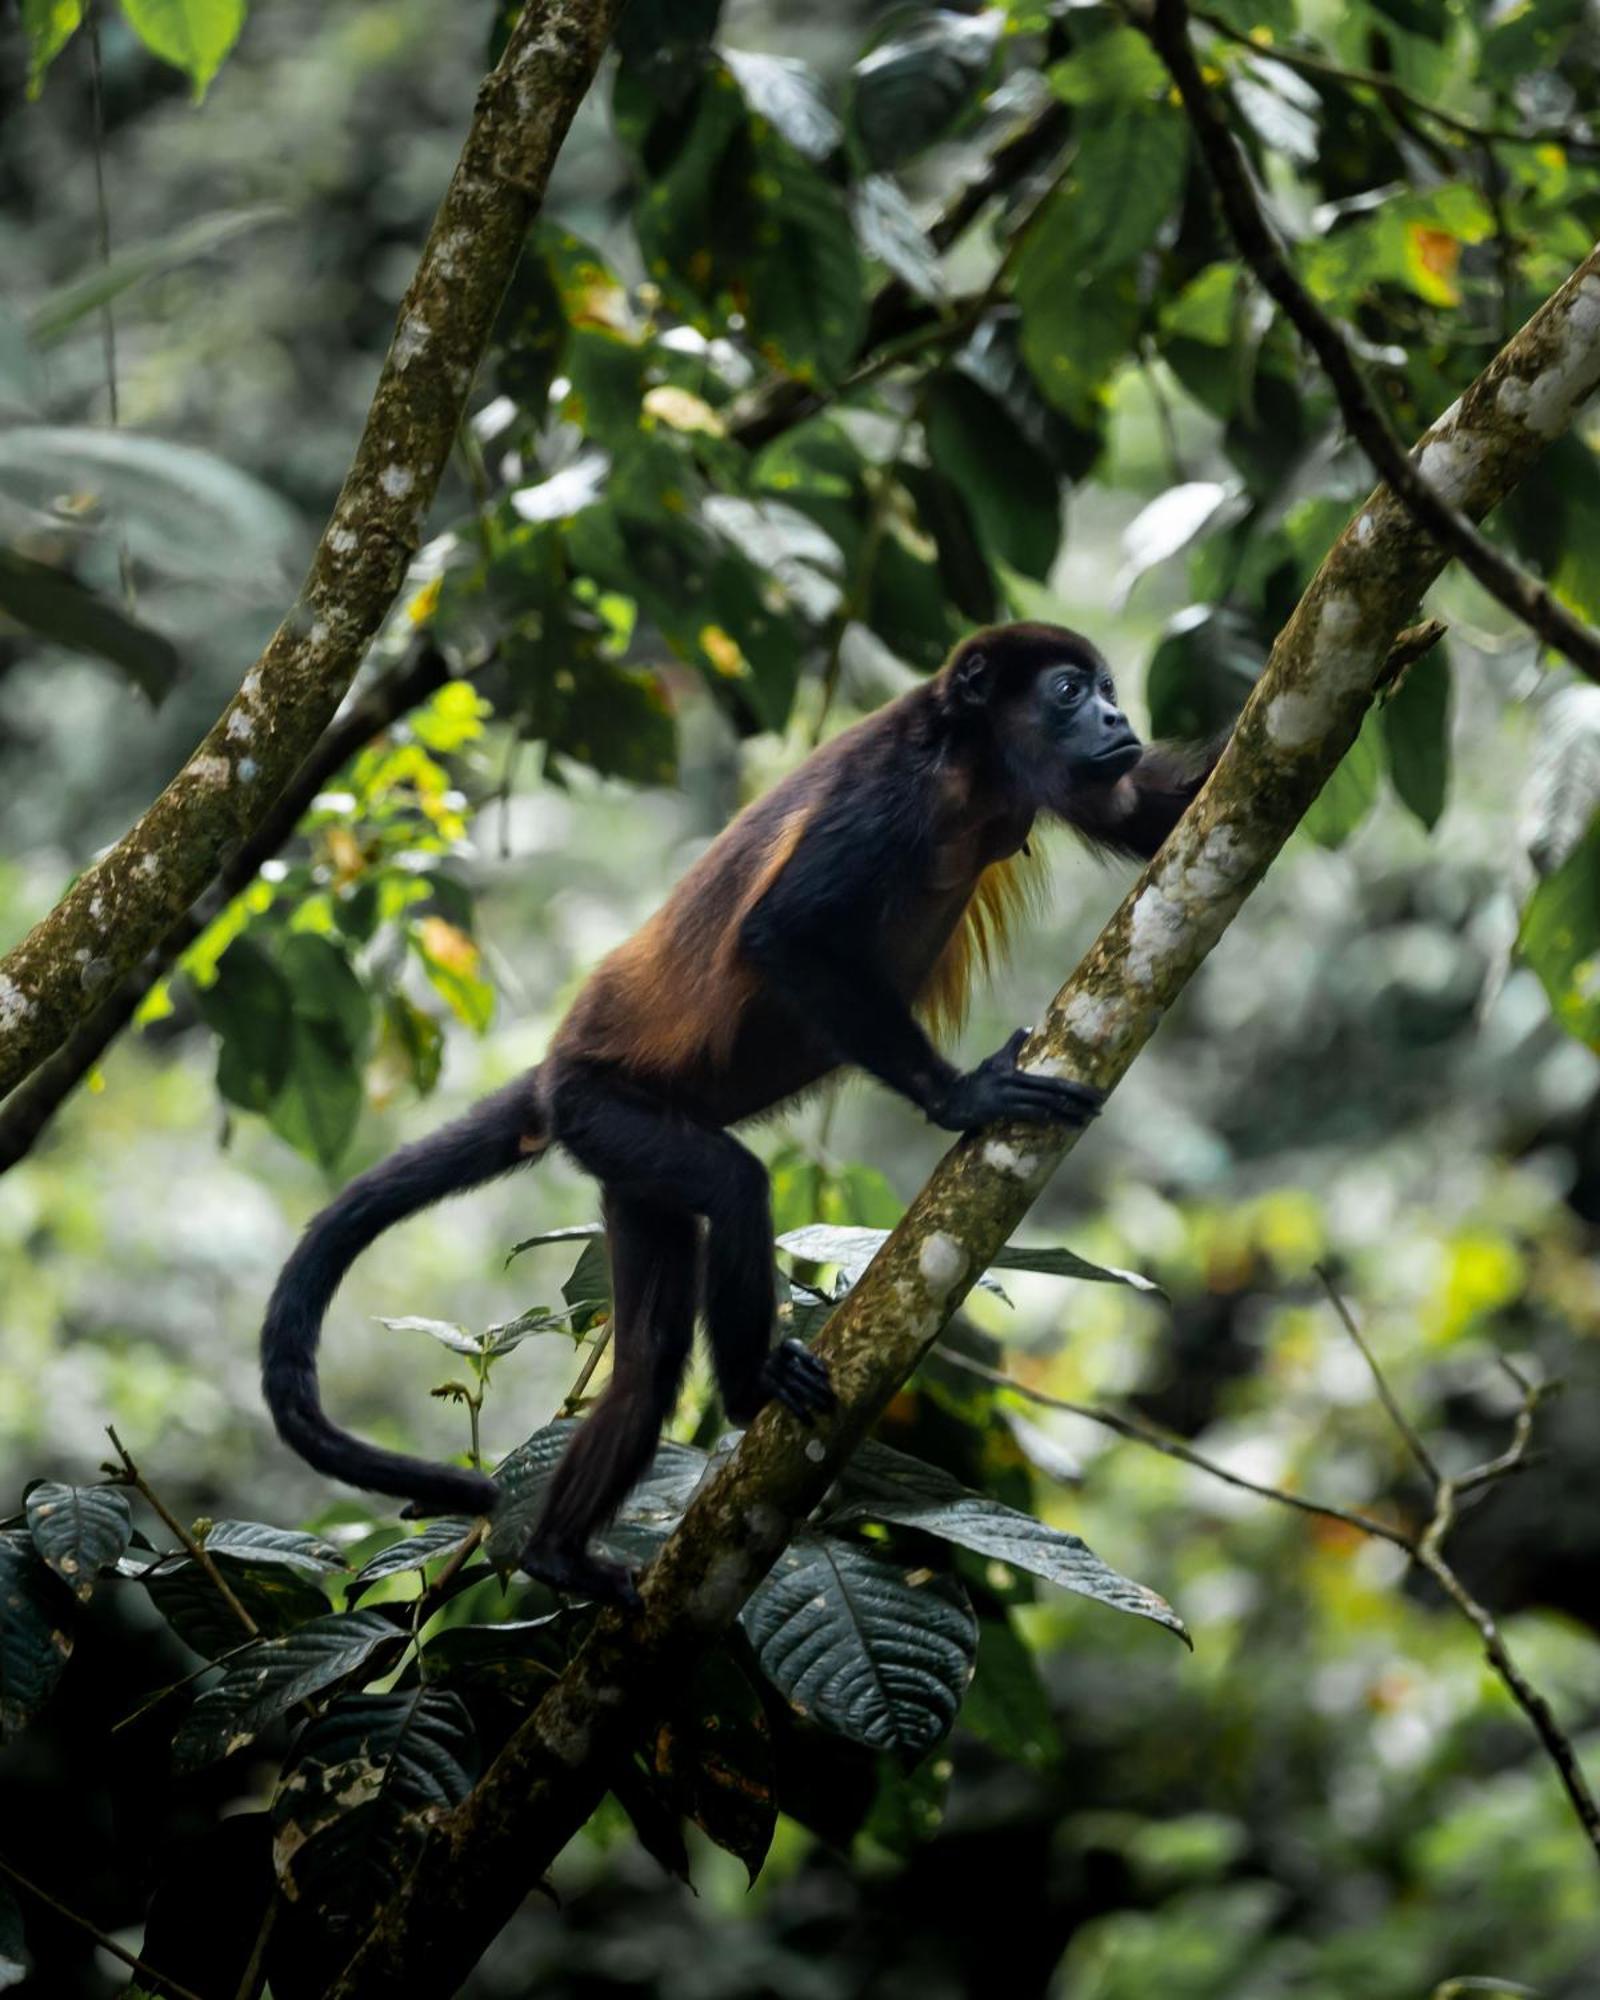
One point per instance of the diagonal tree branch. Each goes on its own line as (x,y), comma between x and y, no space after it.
(121,907)
(1433,483)
(1302,717)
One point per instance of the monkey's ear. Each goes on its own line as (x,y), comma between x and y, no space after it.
(971,680)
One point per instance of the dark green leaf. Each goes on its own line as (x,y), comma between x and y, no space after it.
(1560,938)
(277,1599)
(713,1755)
(1563,787)
(1008,486)
(1201,672)
(57,608)
(34,1638)
(789,97)
(266,1681)
(1350,794)
(888,230)
(61,309)
(908,91)
(655,1503)
(874,1651)
(1416,736)
(366,1781)
(880,1484)
(254,1543)
(514,1656)
(1007,1704)
(413,1552)
(250,1006)
(79,1530)
(853,1248)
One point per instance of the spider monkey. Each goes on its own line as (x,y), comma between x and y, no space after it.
(863,889)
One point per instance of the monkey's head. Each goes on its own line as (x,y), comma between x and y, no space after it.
(1046,700)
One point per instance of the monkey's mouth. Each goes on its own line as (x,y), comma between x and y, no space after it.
(1115,763)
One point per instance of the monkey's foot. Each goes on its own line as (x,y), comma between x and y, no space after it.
(795,1377)
(582,1575)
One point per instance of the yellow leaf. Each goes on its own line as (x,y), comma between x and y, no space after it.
(1431,259)
(448,945)
(683,410)
(722,650)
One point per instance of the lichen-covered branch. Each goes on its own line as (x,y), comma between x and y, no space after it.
(121,907)
(1302,717)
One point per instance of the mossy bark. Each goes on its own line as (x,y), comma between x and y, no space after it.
(1302,717)
(121,907)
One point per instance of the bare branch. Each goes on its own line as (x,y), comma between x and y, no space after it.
(1397,1416)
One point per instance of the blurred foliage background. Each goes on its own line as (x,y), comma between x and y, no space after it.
(755,445)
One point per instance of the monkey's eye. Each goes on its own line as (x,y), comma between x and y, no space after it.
(1066,686)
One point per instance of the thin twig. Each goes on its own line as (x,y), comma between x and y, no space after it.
(132,1476)
(146,1972)
(250,1985)
(1171,1447)
(1397,1416)
(591,1362)
(1166,23)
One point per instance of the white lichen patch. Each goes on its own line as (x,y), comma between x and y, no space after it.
(241,727)
(1340,663)
(1216,871)
(342,541)
(446,257)
(941,1260)
(318,635)
(1091,1017)
(397,480)
(209,770)
(1008,1160)
(1363,528)
(764,1521)
(1449,465)
(149,864)
(248,770)
(412,339)
(1156,923)
(1545,402)
(816,1450)
(250,686)
(1296,717)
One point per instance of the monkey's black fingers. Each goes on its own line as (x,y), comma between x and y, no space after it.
(1047,1100)
(793,1376)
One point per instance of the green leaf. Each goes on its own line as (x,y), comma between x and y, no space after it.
(1562,792)
(61,309)
(414,1552)
(789,97)
(366,1781)
(1010,490)
(880,1484)
(266,1681)
(853,1248)
(1202,671)
(258,1542)
(1415,722)
(34,1638)
(713,1757)
(873,1651)
(1127,180)
(193,35)
(1007,1704)
(319,1106)
(1076,331)
(908,91)
(250,1006)
(887,229)
(445,1331)
(1117,69)
(57,608)
(1560,938)
(514,1656)
(805,285)
(49,25)
(650,1510)
(1350,794)
(278,1599)
(79,1531)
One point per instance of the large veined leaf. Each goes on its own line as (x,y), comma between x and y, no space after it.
(178,509)
(366,1781)
(34,1637)
(713,1755)
(853,1248)
(277,1598)
(880,1484)
(57,608)
(1560,938)
(414,1552)
(654,1504)
(257,1542)
(1563,788)
(874,1651)
(266,1681)
(1008,486)
(887,229)
(79,1530)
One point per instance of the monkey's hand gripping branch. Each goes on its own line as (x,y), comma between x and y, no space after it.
(1325,668)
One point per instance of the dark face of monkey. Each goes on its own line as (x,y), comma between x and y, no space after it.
(1049,699)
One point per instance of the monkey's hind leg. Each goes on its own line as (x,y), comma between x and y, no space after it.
(653,1272)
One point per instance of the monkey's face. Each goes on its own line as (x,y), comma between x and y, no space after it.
(1071,730)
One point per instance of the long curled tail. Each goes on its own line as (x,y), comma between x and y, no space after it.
(501,1132)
